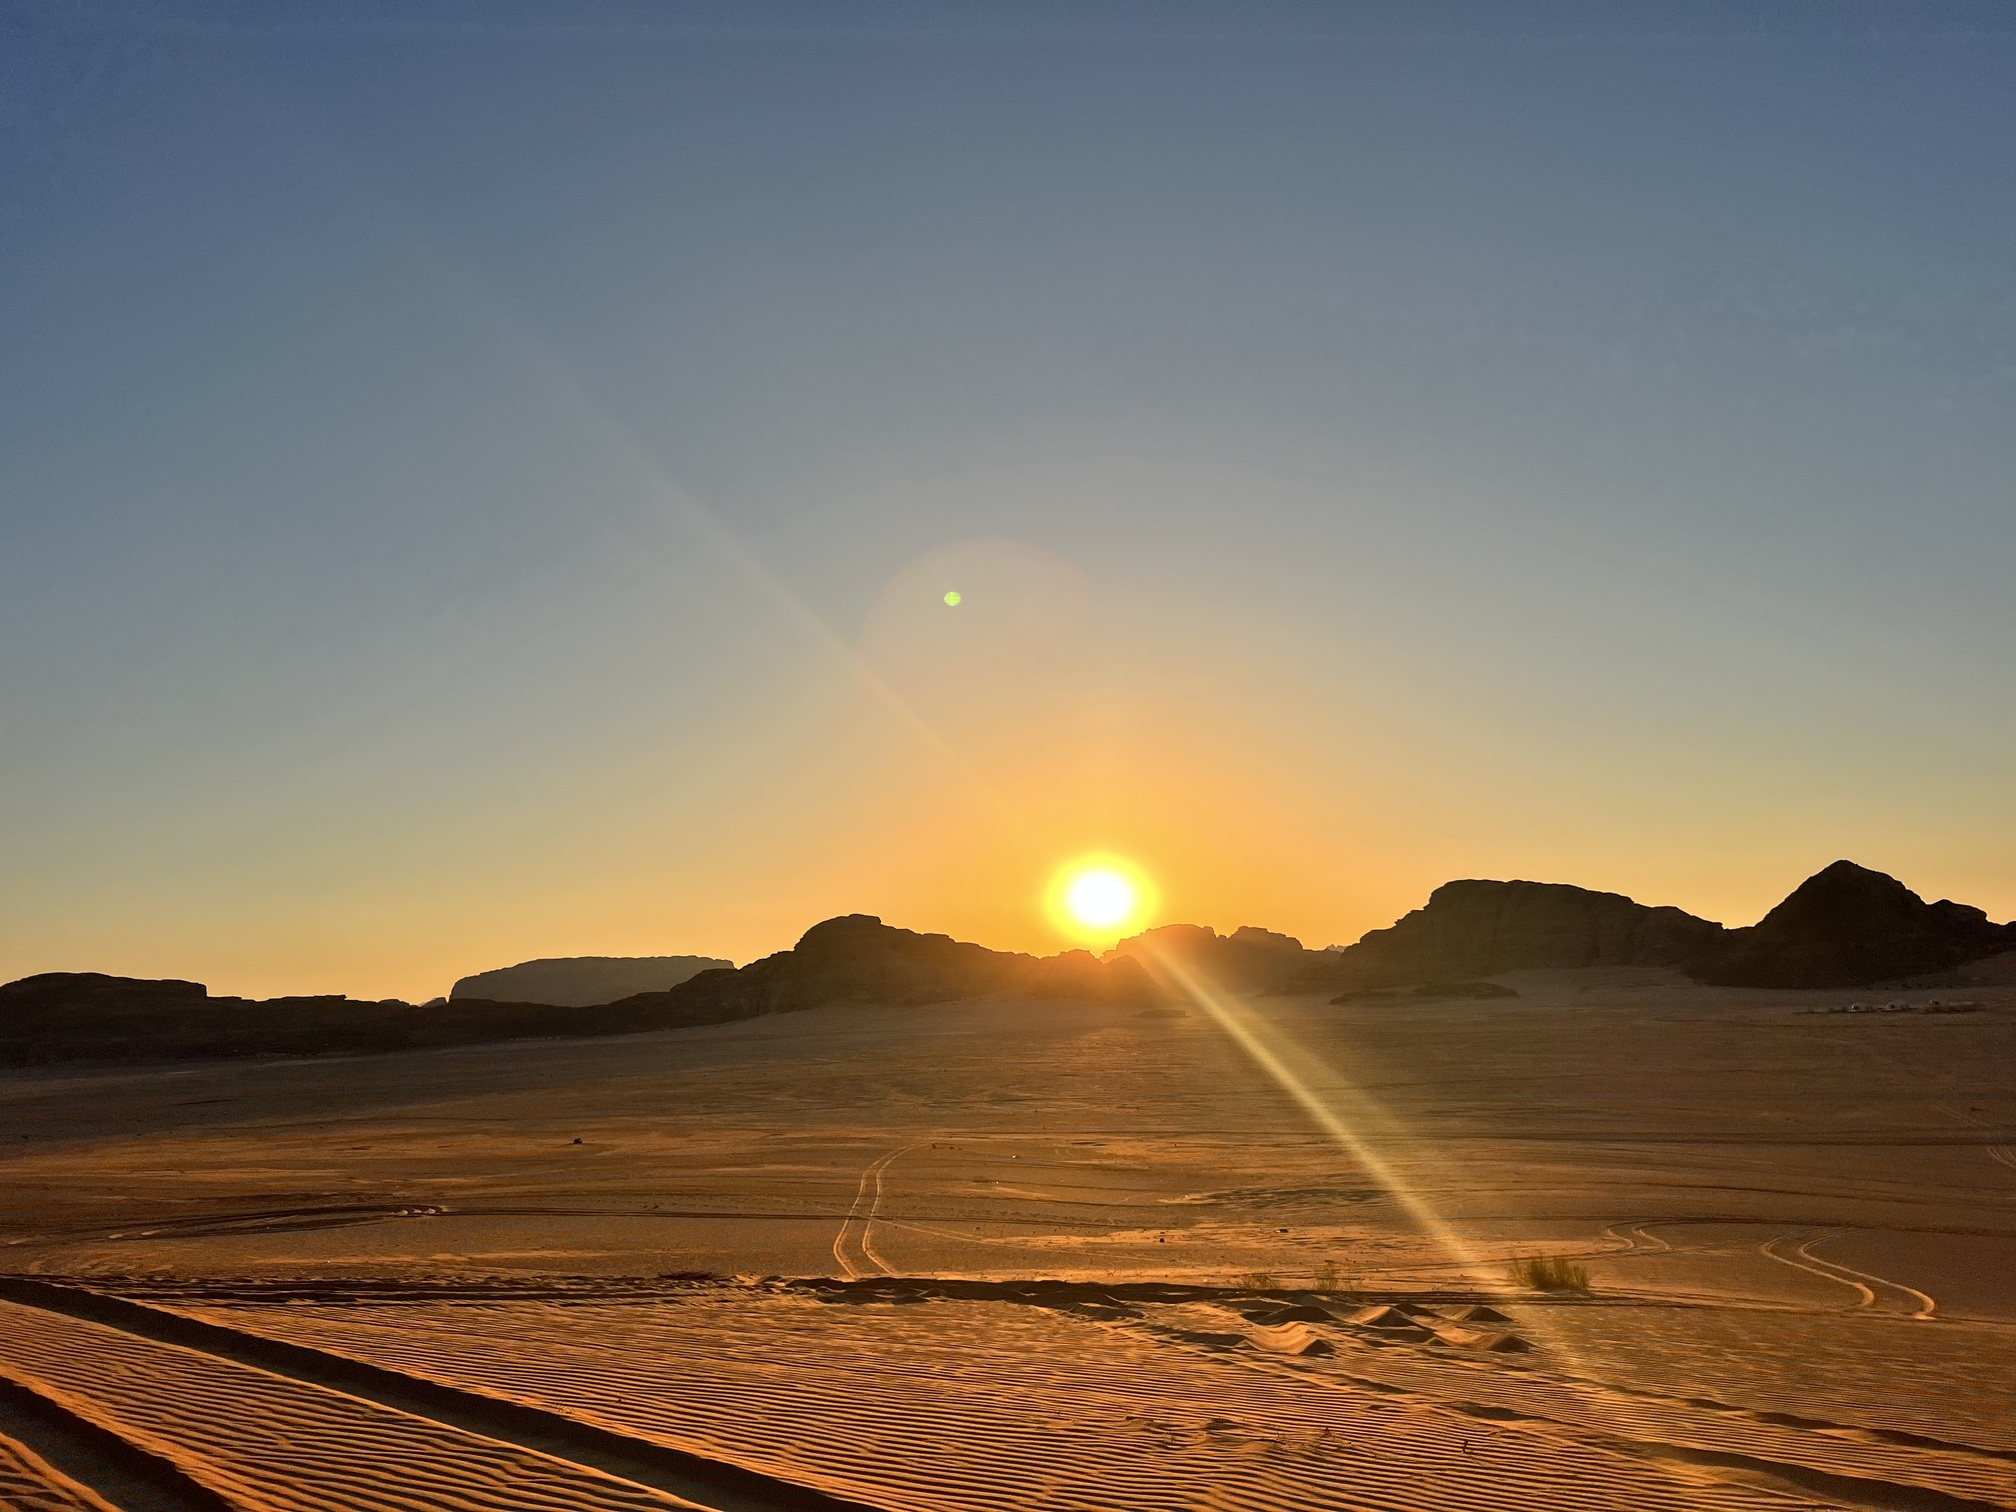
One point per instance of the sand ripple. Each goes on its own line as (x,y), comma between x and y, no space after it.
(265,1441)
(957,1405)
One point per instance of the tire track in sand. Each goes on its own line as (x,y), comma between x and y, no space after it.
(853,1247)
(2001,1154)
(1921,1304)
(1638,1238)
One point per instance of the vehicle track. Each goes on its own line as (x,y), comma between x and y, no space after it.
(2001,1154)
(1922,1304)
(716,1484)
(853,1246)
(1639,1238)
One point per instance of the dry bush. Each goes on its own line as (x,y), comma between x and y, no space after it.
(1548,1274)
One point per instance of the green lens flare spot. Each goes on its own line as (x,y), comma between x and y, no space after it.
(952,599)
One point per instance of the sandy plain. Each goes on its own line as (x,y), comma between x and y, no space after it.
(791,1262)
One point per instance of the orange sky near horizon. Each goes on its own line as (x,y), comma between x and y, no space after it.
(936,774)
(498,499)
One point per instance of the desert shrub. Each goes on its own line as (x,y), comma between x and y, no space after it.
(1546,1273)
(1255,1280)
(1327,1276)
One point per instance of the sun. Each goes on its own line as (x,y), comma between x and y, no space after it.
(1100,898)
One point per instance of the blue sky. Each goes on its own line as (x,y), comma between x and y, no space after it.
(450,456)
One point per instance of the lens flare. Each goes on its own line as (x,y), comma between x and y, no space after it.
(952,599)
(1406,1165)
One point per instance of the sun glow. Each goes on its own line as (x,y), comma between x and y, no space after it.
(1100,898)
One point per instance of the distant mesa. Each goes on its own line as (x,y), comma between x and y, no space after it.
(87,1015)
(71,990)
(1473,929)
(1848,926)
(72,1015)
(582,981)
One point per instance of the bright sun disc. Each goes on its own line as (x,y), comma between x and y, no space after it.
(1100,898)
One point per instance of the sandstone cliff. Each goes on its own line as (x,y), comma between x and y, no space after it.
(1847,926)
(859,959)
(1472,929)
(582,981)
(71,1015)
(87,1015)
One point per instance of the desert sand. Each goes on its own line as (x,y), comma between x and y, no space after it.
(793,1261)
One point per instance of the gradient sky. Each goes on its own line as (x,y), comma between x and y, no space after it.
(477,482)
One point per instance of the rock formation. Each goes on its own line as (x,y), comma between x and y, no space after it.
(85,1015)
(582,981)
(1248,959)
(1472,929)
(71,1015)
(859,959)
(63,1015)
(1848,926)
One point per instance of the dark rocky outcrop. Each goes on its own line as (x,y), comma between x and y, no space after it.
(582,981)
(1248,959)
(86,1015)
(859,959)
(1471,929)
(1848,926)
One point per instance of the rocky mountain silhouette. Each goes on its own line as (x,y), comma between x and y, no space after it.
(1845,926)
(88,1015)
(1248,959)
(858,959)
(1848,926)
(1475,928)
(69,1015)
(582,981)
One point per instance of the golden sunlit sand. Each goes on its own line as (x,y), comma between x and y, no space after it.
(1009,1253)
